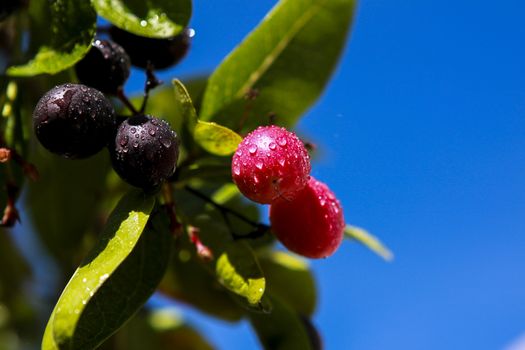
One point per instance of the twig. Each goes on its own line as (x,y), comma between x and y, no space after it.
(124,99)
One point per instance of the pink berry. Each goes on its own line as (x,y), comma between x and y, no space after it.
(311,224)
(270,163)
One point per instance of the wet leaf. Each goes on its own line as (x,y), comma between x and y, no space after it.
(150,18)
(116,278)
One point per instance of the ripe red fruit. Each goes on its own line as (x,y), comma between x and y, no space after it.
(311,224)
(270,163)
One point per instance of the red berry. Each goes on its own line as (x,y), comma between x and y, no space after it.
(311,224)
(270,163)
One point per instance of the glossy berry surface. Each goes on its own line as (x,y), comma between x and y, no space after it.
(270,163)
(106,66)
(311,224)
(162,53)
(73,120)
(145,151)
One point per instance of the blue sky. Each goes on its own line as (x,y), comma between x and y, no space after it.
(421,134)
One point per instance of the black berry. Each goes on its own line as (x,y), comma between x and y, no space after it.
(105,67)
(145,151)
(73,120)
(162,53)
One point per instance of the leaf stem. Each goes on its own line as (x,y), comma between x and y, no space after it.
(124,99)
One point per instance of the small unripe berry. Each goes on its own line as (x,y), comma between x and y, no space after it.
(105,67)
(73,120)
(145,151)
(270,163)
(311,224)
(162,53)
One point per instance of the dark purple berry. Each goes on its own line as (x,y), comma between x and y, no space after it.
(145,151)
(74,121)
(162,53)
(105,67)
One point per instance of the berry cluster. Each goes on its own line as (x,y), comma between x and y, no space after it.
(272,166)
(77,120)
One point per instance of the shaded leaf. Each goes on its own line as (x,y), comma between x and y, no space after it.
(286,62)
(238,270)
(68,38)
(158,329)
(216,139)
(189,281)
(184,104)
(282,329)
(290,278)
(117,277)
(368,240)
(150,18)
(63,203)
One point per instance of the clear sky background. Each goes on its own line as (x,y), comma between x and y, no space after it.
(421,135)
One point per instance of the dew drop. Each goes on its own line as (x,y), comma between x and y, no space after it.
(259,165)
(151,132)
(135,144)
(123,140)
(133,130)
(282,161)
(252,149)
(281,141)
(272,145)
(165,142)
(237,169)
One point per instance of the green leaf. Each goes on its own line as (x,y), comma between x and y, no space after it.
(282,329)
(188,280)
(283,270)
(216,139)
(116,278)
(70,31)
(61,219)
(150,18)
(184,105)
(368,240)
(238,270)
(287,60)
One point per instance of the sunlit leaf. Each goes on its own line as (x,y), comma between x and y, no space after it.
(69,33)
(151,18)
(368,240)
(184,104)
(216,139)
(283,65)
(238,270)
(116,278)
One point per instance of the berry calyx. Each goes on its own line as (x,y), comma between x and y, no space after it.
(73,120)
(106,66)
(270,163)
(145,151)
(161,53)
(311,224)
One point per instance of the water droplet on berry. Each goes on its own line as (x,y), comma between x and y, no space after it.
(133,130)
(151,132)
(281,141)
(236,169)
(135,144)
(165,142)
(123,141)
(282,161)
(272,145)
(259,165)
(252,149)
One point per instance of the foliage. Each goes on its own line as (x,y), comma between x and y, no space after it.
(196,241)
